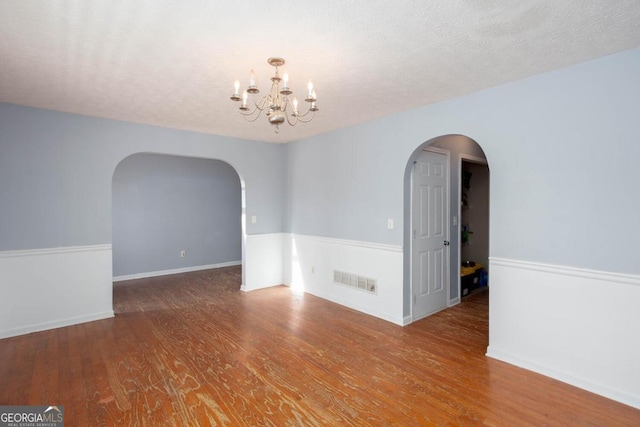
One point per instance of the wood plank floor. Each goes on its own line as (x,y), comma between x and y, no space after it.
(191,349)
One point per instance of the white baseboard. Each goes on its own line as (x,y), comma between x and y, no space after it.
(45,326)
(579,382)
(576,325)
(358,306)
(174,271)
(53,287)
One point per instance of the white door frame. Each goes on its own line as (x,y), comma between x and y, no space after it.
(446,153)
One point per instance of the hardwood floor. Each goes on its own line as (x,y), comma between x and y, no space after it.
(191,349)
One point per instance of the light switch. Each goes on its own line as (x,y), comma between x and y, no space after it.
(390,223)
(254,219)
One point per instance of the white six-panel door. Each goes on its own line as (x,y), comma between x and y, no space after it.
(430,255)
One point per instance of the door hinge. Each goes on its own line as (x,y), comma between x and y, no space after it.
(414,299)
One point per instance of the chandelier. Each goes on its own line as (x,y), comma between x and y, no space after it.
(277,103)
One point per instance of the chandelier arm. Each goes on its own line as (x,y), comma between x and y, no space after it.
(247,116)
(285,104)
(300,118)
(291,123)
(306,113)
(259,106)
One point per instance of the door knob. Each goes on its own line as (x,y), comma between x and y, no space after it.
(446,243)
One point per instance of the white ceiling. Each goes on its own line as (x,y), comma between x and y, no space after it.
(173,63)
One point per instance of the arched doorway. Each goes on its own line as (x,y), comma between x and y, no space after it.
(458,148)
(173,214)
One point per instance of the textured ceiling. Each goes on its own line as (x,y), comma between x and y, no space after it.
(173,63)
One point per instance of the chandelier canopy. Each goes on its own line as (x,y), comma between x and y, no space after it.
(278,103)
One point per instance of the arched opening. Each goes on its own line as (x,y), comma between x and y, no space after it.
(456,151)
(174,214)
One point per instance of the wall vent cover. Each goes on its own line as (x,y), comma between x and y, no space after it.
(355,281)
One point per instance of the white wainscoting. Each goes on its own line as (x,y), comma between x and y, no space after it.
(263,261)
(50,288)
(310,262)
(174,271)
(579,326)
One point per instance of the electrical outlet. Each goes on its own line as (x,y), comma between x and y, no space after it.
(183,253)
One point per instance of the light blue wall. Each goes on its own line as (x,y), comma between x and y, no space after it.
(56,174)
(165,204)
(341,185)
(562,148)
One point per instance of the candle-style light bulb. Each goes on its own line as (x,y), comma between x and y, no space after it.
(236,85)
(285,80)
(295,105)
(245,95)
(310,86)
(252,80)
(313,95)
